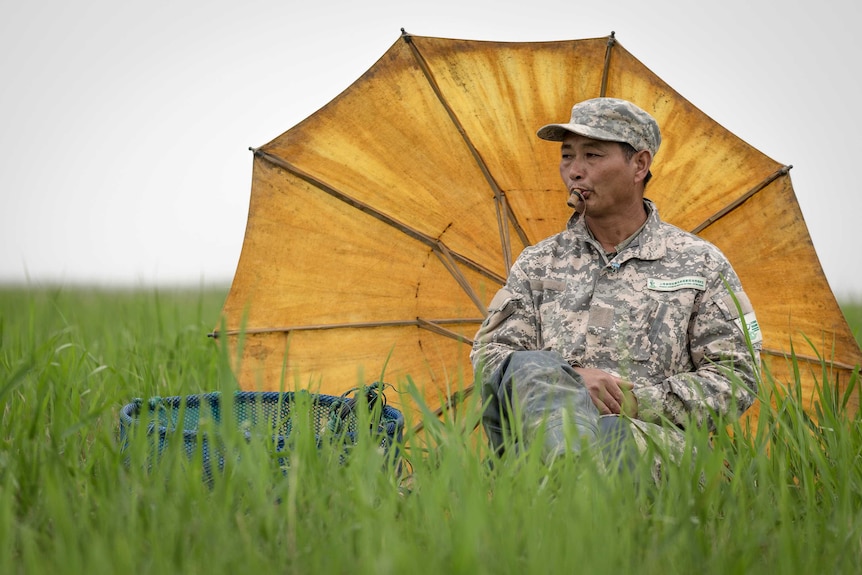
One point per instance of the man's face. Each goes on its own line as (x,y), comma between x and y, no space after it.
(601,173)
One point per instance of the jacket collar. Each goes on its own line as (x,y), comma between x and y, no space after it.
(648,244)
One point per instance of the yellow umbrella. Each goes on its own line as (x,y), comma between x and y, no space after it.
(380,226)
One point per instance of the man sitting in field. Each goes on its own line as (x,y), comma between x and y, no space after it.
(620,321)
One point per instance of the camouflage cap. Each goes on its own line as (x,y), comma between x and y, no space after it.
(609,119)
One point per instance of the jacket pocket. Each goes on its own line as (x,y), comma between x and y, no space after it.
(500,309)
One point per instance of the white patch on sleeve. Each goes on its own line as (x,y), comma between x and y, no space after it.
(751,326)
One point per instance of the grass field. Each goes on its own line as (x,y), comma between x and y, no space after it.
(71,501)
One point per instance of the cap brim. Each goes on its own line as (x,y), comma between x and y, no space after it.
(558,132)
(553,132)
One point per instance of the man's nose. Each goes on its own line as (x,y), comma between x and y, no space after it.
(574,170)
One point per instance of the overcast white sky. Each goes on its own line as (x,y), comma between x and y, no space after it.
(126,124)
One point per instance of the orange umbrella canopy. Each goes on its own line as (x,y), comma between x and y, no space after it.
(381,226)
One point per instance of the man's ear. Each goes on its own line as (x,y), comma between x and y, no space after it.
(643,161)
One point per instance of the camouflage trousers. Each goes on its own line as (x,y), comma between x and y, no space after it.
(553,405)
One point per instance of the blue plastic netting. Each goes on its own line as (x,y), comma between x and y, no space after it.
(271,414)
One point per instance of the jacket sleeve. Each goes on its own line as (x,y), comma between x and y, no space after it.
(724,345)
(511,325)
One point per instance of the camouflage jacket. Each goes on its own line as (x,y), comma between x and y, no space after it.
(659,314)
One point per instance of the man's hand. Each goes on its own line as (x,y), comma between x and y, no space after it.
(610,394)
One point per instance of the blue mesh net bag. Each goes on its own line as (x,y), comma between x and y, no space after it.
(198,421)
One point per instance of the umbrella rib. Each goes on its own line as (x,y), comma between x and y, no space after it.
(499,194)
(807,358)
(740,200)
(611,43)
(501,208)
(435,325)
(433,243)
(445,257)
(450,402)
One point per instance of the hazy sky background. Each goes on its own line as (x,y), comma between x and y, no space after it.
(126,124)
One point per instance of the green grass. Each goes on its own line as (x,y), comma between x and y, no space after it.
(853,312)
(70,359)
